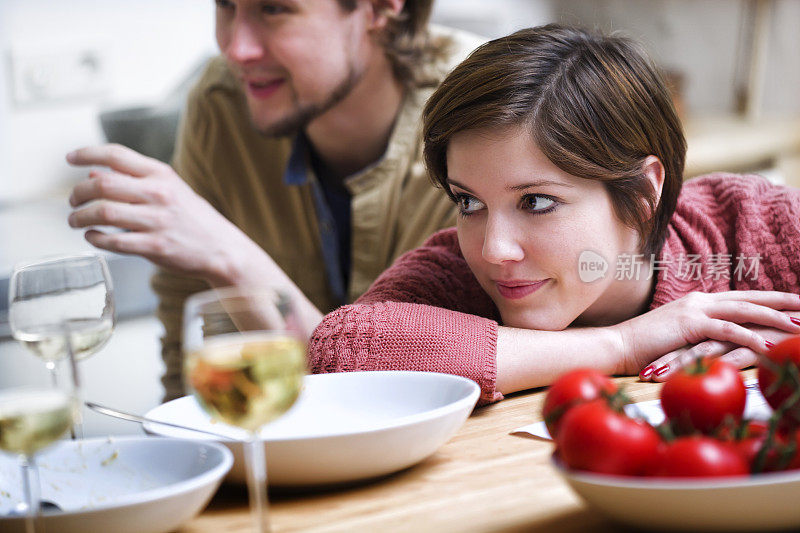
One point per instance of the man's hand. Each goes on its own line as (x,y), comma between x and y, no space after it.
(166,221)
(169,224)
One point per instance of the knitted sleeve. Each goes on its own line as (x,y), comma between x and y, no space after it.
(427,312)
(743,231)
(766,236)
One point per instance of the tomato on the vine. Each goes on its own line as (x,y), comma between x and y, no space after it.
(701,396)
(572,388)
(700,456)
(596,437)
(749,437)
(792,442)
(779,379)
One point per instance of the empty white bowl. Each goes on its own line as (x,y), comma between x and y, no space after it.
(124,485)
(345,426)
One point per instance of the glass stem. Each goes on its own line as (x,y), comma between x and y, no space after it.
(256,466)
(77,424)
(51,366)
(30,486)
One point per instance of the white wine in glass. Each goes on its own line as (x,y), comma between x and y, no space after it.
(245,362)
(62,308)
(49,341)
(30,420)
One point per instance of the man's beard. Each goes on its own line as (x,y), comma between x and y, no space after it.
(302,115)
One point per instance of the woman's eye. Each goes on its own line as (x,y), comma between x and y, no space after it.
(467,204)
(538,203)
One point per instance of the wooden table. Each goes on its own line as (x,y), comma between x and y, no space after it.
(483,479)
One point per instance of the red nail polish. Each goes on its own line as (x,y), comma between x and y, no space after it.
(644,374)
(770,344)
(795,320)
(662,370)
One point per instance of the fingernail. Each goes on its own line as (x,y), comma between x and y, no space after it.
(769,345)
(644,374)
(71,156)
(662,370)
(795,320)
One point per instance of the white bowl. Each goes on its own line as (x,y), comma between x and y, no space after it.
(124,485)
(345,426)
(756,503)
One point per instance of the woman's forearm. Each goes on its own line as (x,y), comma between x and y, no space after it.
(530,358)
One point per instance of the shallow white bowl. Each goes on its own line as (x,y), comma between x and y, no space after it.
(756,503)
(119,484)
(345,426)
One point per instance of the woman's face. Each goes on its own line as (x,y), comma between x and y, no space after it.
(534,236)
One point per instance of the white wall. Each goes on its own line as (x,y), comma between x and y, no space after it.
(782,90)
(702,39)
(146,45)
(492,18)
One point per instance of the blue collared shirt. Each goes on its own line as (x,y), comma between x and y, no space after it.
(333,217)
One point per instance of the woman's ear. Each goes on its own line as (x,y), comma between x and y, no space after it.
(382,10)
(653,170)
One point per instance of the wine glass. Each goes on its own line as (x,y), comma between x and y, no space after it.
(62,307)
(32,419)
(245,358)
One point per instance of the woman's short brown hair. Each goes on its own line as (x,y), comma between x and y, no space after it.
(596,106)
(408,44)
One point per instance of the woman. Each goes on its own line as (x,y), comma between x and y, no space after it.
(575,244)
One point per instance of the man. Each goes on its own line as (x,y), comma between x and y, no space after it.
(301,150)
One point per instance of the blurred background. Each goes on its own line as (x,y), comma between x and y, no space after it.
(79,72)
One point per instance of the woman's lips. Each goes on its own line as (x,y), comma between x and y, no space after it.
(514,290)
(263,90)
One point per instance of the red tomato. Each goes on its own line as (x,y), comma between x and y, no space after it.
(700,456)
(782,362)
(576,386)
(595,437)
(700,397)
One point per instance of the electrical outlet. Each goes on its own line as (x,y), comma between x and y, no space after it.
(58,75)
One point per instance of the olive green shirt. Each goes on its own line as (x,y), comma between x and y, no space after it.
(394,206)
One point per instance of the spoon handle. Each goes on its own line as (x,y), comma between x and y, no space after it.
(141,419)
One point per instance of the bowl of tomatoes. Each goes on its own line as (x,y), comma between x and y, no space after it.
(705,468)
(760,502)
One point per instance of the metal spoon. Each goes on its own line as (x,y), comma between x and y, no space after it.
(108,411)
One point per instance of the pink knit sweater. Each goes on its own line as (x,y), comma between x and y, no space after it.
(427,312)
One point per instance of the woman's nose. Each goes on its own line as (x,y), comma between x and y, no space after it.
(501,242)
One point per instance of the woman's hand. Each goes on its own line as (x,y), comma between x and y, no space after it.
(740,356)
(733,324)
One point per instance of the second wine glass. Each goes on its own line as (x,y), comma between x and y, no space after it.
(62,308)
(245,362)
